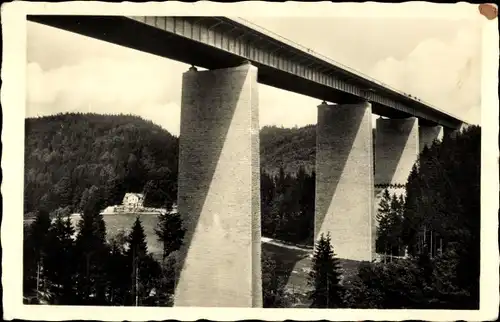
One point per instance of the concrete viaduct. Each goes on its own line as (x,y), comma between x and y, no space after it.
(219,187)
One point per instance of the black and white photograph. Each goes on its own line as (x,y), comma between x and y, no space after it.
(241,160)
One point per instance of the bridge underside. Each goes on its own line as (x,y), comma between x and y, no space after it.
(141,35)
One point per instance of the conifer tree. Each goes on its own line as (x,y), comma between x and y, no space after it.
(63,191)
(384,225)
(164,283)
(170,232)
(144,269)
(390,220)
(137,239)
(395,224)
(116,268)
(443,197)
(92,250)
(309,204)
(281,181)
(35,249)
(114,192)
(384,205)
(267,190)
(325,276)
(273,284)
(60,269)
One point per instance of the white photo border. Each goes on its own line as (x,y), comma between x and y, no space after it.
(13,100)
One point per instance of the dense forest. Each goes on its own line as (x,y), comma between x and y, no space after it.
(69,156)
(288,148)
(438,223)
(114,270)
(97,270)
(83,162)
(287,206)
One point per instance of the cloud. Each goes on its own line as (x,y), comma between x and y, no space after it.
(445,74)
(143,86)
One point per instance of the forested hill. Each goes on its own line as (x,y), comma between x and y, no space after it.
(69,157)
(287,147)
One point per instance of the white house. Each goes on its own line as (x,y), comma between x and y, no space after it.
(133,200)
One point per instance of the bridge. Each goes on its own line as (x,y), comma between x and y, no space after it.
(219,175)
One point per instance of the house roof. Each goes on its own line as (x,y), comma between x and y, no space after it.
(129,194)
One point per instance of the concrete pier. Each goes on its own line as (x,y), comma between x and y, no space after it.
(219,189)
(396,150)
(427,135)
(452,132)
(344,179)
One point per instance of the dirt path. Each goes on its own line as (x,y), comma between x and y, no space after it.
(281,244)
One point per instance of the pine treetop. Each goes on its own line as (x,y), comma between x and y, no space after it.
(137,239)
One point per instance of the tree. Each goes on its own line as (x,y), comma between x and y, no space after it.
(60,249)
(92,251)
(35,250)
(307,201)
(144,269)
(390,224)
(267,189)
(443,204)
(134,173)
(273,285)
(443,283)
(170,232)
(394,285)
(164,284)
(325,276)
(137,239)
(117,272)
(84,199)
(287,206)
(395,219)
(159,191)
(136,252)
(63,191)
(114,191)
(384,225)
(95,200)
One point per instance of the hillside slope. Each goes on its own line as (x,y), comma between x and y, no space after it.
(71,156)
(68,154)
(287,147)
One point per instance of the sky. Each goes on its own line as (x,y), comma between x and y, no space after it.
(434,59)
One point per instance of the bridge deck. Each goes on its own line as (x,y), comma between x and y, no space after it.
(218,42)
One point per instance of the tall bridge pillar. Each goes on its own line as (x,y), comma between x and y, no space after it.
(454,132)
(219,189)
(344,179)
(396,150)
(427,135)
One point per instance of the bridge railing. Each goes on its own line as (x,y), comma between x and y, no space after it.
(289,42)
